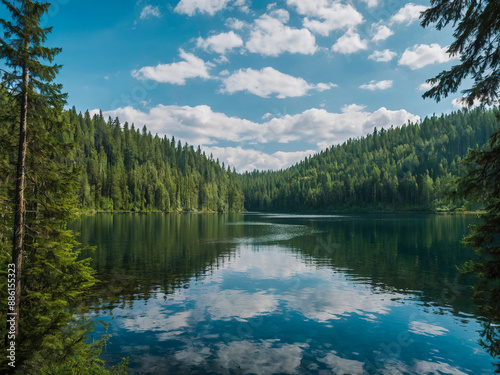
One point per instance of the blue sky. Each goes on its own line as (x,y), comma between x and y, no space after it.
(258,84)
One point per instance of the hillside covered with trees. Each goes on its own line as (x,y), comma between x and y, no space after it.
(411,167)
(124,168)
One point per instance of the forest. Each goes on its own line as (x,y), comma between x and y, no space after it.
(411,167)
(408,167)
(124,168)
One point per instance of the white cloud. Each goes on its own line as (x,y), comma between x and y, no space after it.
(235,24)
(408,14)
(250,159)
(316,127)
(195,125)
(350,42)
(382,56)
(370,3)
(271,37)
(461,103)
(190,7)
(150,11)
(220,43)
(269,81)
(425,86)
(175,73)
(380,85)
(381,33)
(327,15)
(422,54)
(352,108)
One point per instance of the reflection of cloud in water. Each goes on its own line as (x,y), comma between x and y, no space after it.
(425,367)
(269,264)
(341,365)
(194,355)
(426,329)
(226,304)
(328,302)
(264,357)
(396,367)
(153,319)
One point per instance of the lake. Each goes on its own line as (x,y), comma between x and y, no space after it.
(285,294)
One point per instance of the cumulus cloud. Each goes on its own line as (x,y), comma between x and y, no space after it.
(380,85)
(150,11)
(316,127)
(381,33)
(235,24)
(422,54)
(323,16)
(190,7)
(271,37)
(268,81)
(350,42)
(220,43)
(250,159)
(175,73)
(408,14)
(195,125)
(382,56)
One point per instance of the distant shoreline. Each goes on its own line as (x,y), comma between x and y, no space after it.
(346,212)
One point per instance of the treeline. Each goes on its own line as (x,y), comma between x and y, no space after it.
(405,168)
(124,168)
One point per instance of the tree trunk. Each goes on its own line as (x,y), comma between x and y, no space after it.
(18,242)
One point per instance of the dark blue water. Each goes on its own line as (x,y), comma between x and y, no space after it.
(285,294)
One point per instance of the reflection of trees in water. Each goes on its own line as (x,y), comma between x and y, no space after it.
(409,254)
(139,254)
(491,337)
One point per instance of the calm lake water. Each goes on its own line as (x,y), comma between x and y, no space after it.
(285,294)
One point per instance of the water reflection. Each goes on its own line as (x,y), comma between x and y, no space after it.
(209,294)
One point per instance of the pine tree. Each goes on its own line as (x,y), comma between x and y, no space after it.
(50,281)
(477,29)
(477,32)
(36,95)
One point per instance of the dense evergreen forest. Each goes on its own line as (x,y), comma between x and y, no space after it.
(411,167)
(124,168)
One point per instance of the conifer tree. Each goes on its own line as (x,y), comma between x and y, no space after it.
(477,35)
(30,81)
(50,280)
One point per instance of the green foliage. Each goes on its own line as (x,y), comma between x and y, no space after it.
(477,33)
(411,167)
(124,169)
(482,185)
(52,281)
(477,28)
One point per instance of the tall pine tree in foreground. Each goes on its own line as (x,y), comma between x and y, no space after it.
(477,33)
(37,197)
